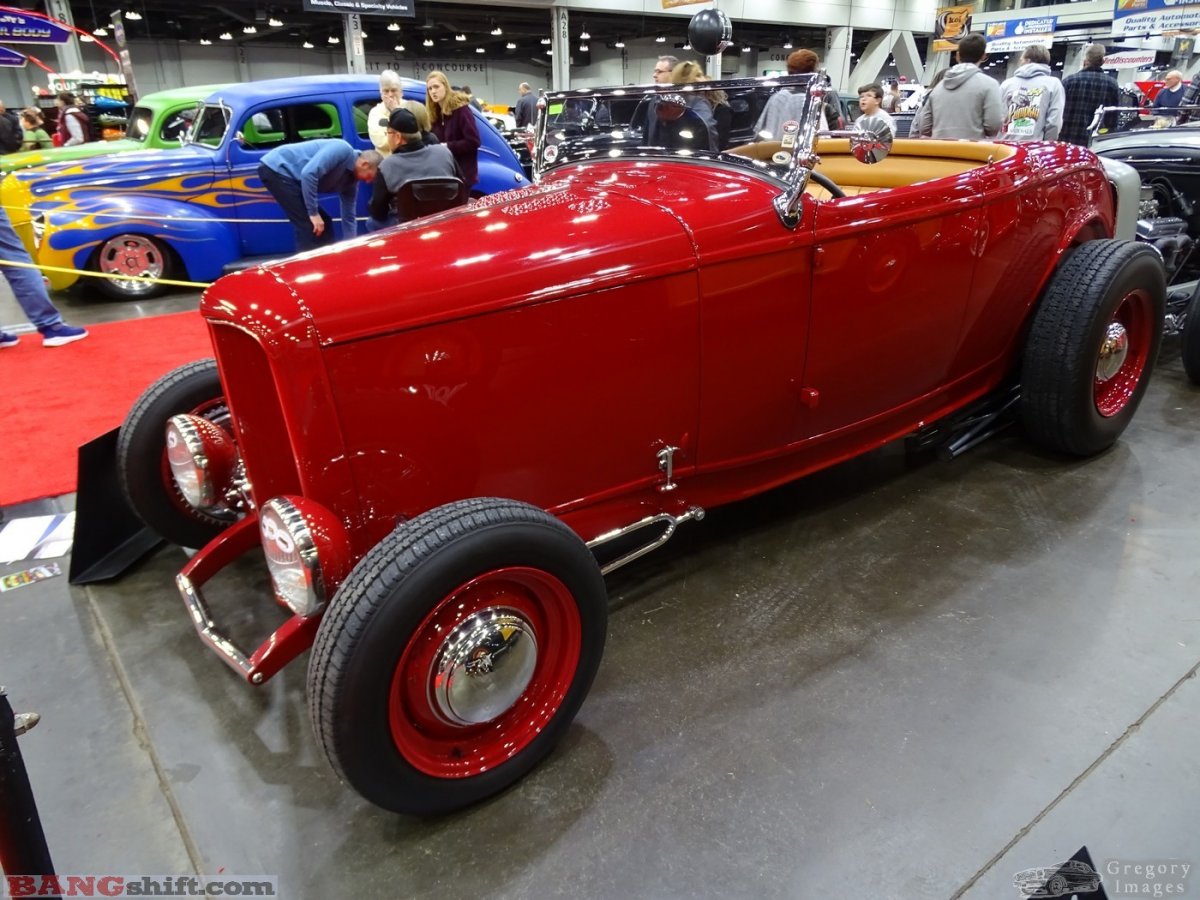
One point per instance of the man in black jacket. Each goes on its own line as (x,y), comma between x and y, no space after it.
(411,158)
(10,131)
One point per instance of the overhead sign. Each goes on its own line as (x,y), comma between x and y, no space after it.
(18,29)
(1129,59)
(1019,27)
(403,8)
(1153,16)
(1017,44)
(670,4)
(951,25)
(456,70)
(11,58)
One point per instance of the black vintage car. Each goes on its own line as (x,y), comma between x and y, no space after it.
(1166,154)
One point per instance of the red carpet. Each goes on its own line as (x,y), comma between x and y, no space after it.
(52,399)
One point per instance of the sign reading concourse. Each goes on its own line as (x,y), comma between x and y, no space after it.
(403,8)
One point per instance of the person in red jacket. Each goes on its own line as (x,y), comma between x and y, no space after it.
(73,127)
(454,123)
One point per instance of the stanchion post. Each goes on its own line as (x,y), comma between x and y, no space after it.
(23,849)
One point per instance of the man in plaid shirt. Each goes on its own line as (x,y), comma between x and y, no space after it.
(1085,90)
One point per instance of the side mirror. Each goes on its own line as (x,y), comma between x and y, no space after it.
(871,140)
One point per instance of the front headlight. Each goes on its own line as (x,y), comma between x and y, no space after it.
(307,552)
(203,457)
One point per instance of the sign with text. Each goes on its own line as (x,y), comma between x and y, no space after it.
(1154,16)
(1018,44)
(11,58)
(1019,27)
(404,8)
(951,25)
(1129,59)
(18,29)
(456,70)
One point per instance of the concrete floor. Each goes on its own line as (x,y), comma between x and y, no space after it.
(897,678)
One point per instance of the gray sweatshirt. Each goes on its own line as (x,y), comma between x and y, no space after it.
(1033,103)
(965,106)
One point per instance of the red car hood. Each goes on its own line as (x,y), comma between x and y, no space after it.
(584,231)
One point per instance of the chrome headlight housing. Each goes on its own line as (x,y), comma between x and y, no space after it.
(307,552)
(203,459)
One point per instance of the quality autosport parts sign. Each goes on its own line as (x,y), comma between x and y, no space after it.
(44,886)
(1154,16)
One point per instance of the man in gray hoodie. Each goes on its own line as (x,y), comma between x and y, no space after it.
(1033,99)
(966,105)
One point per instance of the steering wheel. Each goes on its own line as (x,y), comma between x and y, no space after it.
(826,182)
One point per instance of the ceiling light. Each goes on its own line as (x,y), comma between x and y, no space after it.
(497,31)
(307,45)
(249,29)
(747,49)
(480,50)
(363,35)
(620,44)
(274,22)
(393,26)
(583,48)
(660,39)
(334,39)
(549,52)
(545,40)
(787,43)
(428,42)
(460,37)
(133,15)
(510,46)
(399,48)
(86,38)
(204,41)
(101,32)
(226,36)
(583,35)
(687,46)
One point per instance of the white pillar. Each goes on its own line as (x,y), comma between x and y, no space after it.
(356,60)
(69,58)
(837,55)
(560,43)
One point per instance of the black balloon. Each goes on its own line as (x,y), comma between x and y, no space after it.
(710,31)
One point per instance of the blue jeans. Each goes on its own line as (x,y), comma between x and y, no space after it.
(27,285)
(290,195)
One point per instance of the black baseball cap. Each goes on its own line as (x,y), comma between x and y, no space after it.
(403,121)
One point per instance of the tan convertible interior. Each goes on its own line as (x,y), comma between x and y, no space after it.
(910,162)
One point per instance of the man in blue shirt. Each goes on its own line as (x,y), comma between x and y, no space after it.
(296,174)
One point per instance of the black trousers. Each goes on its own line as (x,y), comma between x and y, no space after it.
(290,195)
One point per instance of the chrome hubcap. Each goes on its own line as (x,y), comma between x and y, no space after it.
(1112,352)
(483,666)
(132,255)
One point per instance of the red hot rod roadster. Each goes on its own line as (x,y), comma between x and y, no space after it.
(437,435)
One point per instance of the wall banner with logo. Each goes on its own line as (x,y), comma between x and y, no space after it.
(951,25)
(11,58)
(1020,27)
(1153,16)
(18,29)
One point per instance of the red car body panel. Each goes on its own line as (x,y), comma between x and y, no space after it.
(545,344)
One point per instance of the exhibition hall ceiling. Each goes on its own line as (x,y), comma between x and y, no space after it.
(438,30)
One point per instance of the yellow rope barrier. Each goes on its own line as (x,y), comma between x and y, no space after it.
(110,275)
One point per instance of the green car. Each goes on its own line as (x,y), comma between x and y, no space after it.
(156,123)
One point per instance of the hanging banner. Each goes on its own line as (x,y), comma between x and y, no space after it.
(19,29)
(1129,59)
(123,54)
(1019,27)
(951,25)
(1153,16)
(11,58)
(1017,44)
(402,8)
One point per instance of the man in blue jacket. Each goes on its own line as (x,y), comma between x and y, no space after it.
(296,174)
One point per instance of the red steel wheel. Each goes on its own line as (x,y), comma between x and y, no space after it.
(485,672)
(456,653)
(1124,352)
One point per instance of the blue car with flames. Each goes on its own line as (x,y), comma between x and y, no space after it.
(192,213)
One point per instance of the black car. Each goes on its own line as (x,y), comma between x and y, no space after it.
(1167,159)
